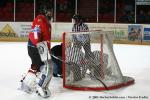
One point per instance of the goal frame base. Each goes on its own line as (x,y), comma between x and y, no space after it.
(117,86)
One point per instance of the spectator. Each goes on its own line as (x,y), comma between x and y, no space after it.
(2,3)
(131,17)
(124,18)
(148,17)
(141,17)
(64,7)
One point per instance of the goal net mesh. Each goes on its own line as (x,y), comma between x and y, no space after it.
(90,62)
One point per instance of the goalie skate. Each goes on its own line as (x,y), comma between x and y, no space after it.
(43,92)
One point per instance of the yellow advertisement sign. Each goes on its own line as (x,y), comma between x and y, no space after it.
(7,32)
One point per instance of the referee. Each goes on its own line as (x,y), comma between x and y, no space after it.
(80,40)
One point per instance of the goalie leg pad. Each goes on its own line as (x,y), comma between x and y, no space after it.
(44,76)
(43,51)
(46,69)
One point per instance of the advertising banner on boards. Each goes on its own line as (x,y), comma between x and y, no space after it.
(135,33)
(146,34)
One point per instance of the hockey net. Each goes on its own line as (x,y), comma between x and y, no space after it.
(90,62)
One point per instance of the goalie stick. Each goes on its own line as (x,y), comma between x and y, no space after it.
(94,76)
(60,59)
(100,80)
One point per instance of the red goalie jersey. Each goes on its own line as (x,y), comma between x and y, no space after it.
(41,30)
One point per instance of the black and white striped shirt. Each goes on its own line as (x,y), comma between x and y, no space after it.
(80,28)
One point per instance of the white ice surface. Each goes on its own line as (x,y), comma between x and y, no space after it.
(134,61)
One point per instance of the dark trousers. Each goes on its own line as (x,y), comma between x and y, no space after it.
(57,69)
(35,58)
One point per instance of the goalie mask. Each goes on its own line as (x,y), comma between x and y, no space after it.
(47,13)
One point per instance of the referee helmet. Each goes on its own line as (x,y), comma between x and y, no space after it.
(77,18)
